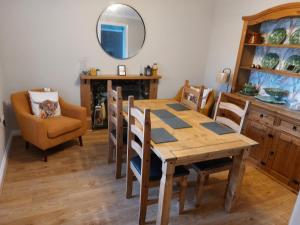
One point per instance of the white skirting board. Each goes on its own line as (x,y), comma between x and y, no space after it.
(5,156)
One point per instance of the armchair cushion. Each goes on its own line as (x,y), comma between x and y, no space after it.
(44,104)
(57,126)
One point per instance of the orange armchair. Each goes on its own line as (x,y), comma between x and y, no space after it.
(47,133)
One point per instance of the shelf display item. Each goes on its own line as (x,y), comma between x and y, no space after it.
(295,37)
(277,36)
(292,64)
(270,61)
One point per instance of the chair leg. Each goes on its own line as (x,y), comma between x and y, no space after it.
(110,151)
(80,141)
(45,156)
(26,144)
(182,194)
(129,182)
(199,188)
(119,159)
(143,204)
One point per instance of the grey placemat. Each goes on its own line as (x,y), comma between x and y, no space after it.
(178,107)
(170,119)
(217,128)
(162,113)
(160,135)
(176,123)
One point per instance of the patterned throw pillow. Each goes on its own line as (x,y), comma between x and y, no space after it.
(44,104)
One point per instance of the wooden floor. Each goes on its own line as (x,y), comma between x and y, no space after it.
(77,186)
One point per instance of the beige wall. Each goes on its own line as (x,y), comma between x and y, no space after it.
(42,42)
(226,30)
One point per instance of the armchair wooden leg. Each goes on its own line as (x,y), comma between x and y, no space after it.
(80,141)
(182,194)
(200,188)
(26,144)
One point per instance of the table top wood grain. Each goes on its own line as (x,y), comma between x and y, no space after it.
(196,143)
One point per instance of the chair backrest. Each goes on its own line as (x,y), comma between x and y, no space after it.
(232,108)
(139,136)
(191,96)
(115,114)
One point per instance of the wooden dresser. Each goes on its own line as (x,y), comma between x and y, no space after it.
(277,130)
(275,127)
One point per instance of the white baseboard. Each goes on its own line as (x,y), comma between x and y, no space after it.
(5,156)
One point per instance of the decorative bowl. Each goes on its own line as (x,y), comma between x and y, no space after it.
(276,93)
(277,36)
(270,60)
(292,64)
(249,89)
(295,37)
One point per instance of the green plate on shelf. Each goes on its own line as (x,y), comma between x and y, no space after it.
(292,64)
(277,36)
(243,92)
(270,99)
(295,37)
(270,61)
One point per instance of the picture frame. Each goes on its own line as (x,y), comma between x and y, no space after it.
(121,70)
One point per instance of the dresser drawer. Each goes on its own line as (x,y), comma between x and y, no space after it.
(261,117)
(290,127)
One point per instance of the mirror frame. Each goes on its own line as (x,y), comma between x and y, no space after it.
(144,40)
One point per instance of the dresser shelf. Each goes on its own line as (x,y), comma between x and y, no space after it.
(273,45)
(270,71)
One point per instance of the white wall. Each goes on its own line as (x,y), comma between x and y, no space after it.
(226,33)
(42,42)
(2,134)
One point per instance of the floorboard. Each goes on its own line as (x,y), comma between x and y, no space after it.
(77,186)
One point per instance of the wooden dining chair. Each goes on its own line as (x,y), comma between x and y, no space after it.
(115,127)
(143,164)
(231,115)
(192,96)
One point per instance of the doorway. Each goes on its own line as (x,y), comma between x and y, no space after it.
(114,40)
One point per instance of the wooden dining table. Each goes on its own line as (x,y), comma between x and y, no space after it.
(194,144)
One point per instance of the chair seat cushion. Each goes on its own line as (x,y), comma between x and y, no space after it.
(213,164)
(60,125)
(155,167)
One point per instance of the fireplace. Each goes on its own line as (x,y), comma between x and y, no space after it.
(94,94)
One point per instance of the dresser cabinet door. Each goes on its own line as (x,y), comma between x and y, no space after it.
(282,157)
(260,134)
(295,179)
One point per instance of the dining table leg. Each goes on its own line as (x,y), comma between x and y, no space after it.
(165,193)
(235,179)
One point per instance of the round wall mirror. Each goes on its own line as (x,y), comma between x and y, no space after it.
(121,31)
